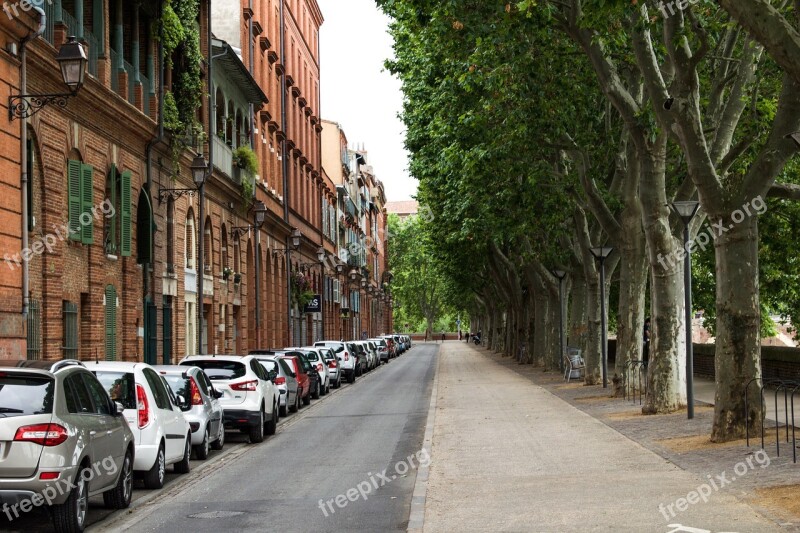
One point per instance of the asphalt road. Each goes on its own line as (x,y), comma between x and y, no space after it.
(361,436)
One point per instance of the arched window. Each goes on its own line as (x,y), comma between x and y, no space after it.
(237,257)
(219,110)
(240,141)
(224,248)
(208,246)
(229,124)
(170,236)
(189,246)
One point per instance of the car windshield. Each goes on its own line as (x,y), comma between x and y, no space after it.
(286,367)
(25,394)
(217,369)
(181,386)
(270,366)
(121,387)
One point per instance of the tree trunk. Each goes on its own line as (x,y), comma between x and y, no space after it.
(592,355)
(737,357)
(553,349)
(577,320)
(540,328)
(632,287)
(666,379)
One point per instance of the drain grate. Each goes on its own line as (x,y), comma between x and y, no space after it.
(216,514)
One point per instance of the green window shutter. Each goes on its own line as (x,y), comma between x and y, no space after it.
(111,238)
(74,198)
(87,203)
(125,214)
(111,323)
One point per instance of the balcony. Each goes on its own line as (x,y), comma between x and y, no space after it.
(223,156)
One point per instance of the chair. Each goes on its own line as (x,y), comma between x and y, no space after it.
(574,365)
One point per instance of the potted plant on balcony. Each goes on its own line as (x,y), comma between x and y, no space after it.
(226,273)
(246,159)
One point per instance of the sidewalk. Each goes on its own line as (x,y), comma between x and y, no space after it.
(509,455)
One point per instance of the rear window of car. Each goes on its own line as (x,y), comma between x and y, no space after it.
(290,362)
(25,395)
(338,347)
(181,386)
(217,369)
(120,386)
(312,356)
(269,365)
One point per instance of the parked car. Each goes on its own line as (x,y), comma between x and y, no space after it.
(313,375)
(383,349)
(391,345)
(50,412)
(346,357)
(303,376)
(317,360)
(249,399)
(200,406)
(361,356)
(333,366)
(161,432)
(285,380)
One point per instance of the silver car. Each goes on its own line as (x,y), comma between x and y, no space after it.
(285,380)
(199,402)
(334,367)
(63,440)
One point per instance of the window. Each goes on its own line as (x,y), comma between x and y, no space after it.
(191,322)
(25,394)
(99,396)
(78,398)
(189,247)
(80,201)
(158,389)
(70,323)
(121,387)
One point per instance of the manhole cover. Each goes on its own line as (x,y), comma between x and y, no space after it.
(216,514)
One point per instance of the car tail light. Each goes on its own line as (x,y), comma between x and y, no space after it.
(195,392)
(245,386)
(346,356)
(319,367)
(43,434)
(280,380)
(142,406)
(48,476)
(331,364)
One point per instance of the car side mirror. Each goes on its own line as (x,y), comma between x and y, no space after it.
(218,394)
(118,409)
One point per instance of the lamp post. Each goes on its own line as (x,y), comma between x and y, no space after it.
(294,244)
(72,59)
(560,275)
(600,253)
(686,211)
(321,260)
(199,175)
(339,271)
(259,214)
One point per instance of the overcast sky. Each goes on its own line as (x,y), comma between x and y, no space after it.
(359,94)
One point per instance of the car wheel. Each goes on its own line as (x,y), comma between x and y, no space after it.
(183,467)
(315,394)
(272,423)
(201,450)
(284,410)
(257,429)
(154,478)
(307,399)
(220,442)
(120,496)
(296,407)
(71,515)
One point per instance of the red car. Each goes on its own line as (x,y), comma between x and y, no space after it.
(303,379)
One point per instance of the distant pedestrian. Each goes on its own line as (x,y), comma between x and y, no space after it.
(646,341)
(443,336)
(469,334)
(459,334)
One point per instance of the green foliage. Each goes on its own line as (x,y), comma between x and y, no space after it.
(172,121)
(246,159)
(173,32)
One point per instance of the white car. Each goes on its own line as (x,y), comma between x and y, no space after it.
(347,359)
(316,356)
(250,400)
(383,349)
(371,353)
(162,435)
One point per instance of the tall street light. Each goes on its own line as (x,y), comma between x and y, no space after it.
(199,175)
(686,211)
(259,214)
(560,275)
(600,253)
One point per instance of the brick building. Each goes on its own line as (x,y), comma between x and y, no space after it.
(141,268)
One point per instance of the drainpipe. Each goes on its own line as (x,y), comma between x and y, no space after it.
(285,171)
(250,53)
(147,287)
(23,88)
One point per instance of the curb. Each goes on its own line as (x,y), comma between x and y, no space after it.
(416,518)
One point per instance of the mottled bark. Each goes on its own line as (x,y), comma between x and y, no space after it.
(576,324)
(738,355)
